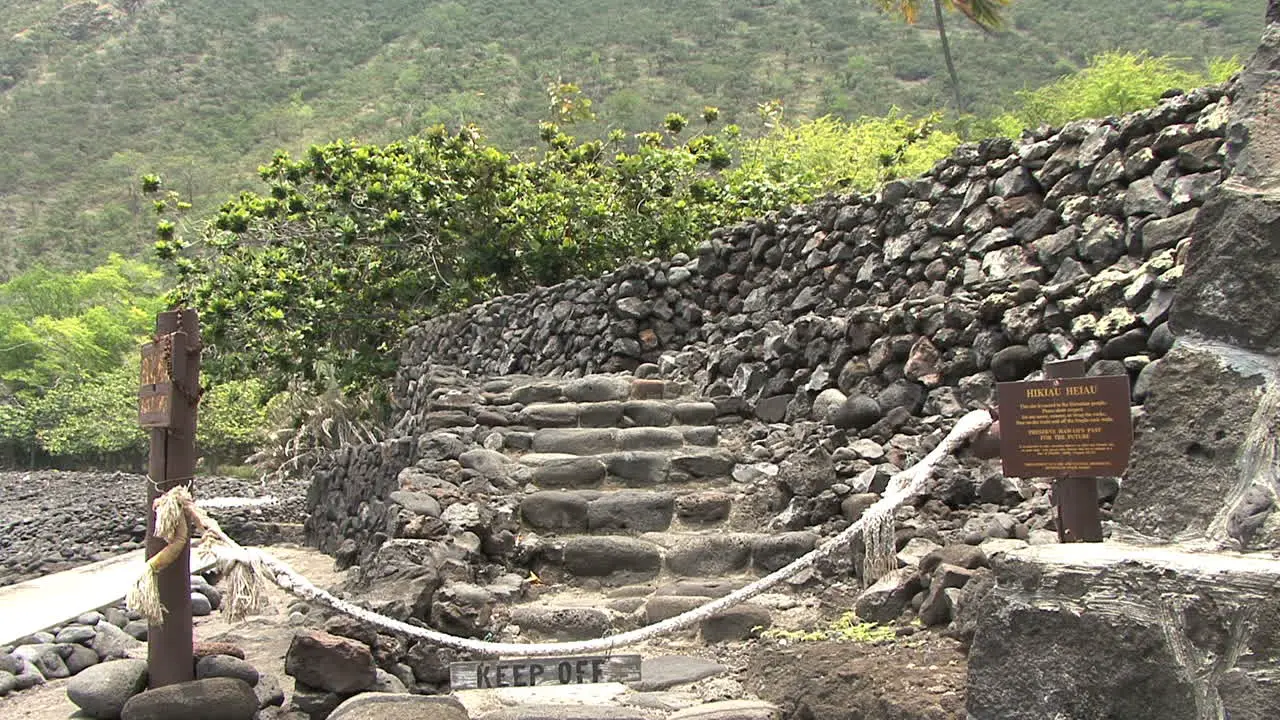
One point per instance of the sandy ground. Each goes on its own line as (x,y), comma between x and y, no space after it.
(264,639)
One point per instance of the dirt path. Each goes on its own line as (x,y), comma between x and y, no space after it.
(264,638)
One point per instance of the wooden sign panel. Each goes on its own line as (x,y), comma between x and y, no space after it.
(1068,427)
(533,672)
(158,403)
(155,395)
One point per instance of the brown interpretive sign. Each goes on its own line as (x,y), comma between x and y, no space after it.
(536,672)
(1065,427)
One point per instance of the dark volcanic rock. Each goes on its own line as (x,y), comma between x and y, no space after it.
(1052,640)
(328,662)
(857,413)
(1234,262)
(212,699)
(1198,416)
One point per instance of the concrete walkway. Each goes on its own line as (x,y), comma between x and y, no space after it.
(38,604)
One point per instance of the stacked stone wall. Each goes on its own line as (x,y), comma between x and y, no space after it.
(912,302)
(1006,254)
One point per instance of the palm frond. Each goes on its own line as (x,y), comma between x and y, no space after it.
(986,14)
(310,425)
(908,10)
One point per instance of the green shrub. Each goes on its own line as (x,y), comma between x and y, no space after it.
(232,421)
(95,420)
(1112,84)
(352,243)
(798,163)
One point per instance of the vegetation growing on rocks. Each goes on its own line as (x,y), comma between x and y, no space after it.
(848,628)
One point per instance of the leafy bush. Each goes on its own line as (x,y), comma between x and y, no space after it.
(70,369)
(798,163)
(1113,84)
(354,242)
(95,420)
(17,432)
(56,326)
(232,421)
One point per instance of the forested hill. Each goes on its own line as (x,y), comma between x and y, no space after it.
(94,94)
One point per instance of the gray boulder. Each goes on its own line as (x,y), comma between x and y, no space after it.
(210,699)
(101,691)
(377,706)
(1141,633)
(212,666)
(857,413)
(46,658)
(112,642)
(885,600)
(8,682)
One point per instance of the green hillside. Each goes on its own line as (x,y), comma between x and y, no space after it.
(94,94)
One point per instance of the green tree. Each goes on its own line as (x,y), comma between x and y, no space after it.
(95,420)
(986,14)
(354,242)
(233,420)
(57,326)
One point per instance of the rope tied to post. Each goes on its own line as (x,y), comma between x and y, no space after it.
(176,517)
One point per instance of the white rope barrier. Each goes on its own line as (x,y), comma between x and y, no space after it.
(902,486)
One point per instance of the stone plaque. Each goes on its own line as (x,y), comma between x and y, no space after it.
(532,672)
(1067,427)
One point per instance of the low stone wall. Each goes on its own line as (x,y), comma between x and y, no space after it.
(347,497)
(1004,255)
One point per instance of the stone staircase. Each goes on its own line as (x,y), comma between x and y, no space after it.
(627,496)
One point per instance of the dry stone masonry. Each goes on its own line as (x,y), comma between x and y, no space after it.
(606,453)
(1211,468)
(1185,630)
(610,452)
(1065,244)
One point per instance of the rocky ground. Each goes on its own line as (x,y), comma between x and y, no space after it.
(912,677)
(264,640)
(52,520)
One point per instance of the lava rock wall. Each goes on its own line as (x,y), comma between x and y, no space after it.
(1005,255)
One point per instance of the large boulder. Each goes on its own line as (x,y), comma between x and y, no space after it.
(380,706)
(1200,411)
(329,662)
(211,699)
(1232,265)
(1093,630)
(101,691)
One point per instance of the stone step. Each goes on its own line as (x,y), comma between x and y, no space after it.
(589,389)
(619,560)
(624,511)
(575,615)
(598,441)
(617,414)
(560,471)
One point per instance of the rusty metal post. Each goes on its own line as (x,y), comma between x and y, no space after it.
(172,463)
(1077,497)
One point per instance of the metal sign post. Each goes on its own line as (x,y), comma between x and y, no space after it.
(167,399)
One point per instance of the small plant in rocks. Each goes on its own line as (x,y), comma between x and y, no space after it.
(848,628)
